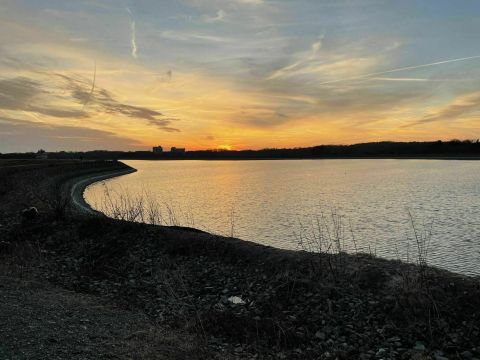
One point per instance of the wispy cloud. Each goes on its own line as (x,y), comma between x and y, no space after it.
(251,2)
(24,94)
(463,106)
(105,102)
(220,16)
(29,135)
(305,59)
(193,37)
(49,98)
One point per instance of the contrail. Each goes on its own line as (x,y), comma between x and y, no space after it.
(401,69)
(134,44)
(418,79)
(133,40)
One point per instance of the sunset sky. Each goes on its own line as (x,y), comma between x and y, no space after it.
(127,75)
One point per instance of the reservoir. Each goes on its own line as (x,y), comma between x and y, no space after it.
(392,208)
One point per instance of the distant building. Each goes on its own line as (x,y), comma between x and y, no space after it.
(157,149)
(177,150)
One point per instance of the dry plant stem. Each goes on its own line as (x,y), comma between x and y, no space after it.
(423,239)
(142,207)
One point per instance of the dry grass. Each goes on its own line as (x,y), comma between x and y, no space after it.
(329,235)
(143,207)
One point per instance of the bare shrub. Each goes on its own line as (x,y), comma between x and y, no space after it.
(47,193)
(324,233)
(143,207)
(327,234)
(59,201)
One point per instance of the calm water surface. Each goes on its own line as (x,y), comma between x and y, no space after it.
(278,202)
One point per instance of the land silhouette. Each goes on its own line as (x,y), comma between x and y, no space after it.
(426,149)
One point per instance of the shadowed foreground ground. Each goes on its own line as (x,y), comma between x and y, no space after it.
(181,282)
(40,320)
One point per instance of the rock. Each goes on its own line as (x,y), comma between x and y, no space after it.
(419,346)
(30,213)
(394,339)
(320,335)
(466,355)
(236,300)
(381,352)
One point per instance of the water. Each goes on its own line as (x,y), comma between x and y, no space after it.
(278,202)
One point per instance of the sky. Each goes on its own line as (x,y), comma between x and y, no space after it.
(236,74)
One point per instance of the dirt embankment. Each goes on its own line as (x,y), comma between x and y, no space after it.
(238,299)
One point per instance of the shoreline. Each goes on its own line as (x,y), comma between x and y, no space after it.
(236,299)
(77,188)
(458,158)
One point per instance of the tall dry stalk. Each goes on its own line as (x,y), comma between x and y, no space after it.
(423,238)
(142,207)
(326,234)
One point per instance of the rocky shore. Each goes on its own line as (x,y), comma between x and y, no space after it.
(226,298)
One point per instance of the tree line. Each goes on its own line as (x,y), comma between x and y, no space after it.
(452,148)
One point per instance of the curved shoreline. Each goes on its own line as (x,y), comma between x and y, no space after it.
(77,188)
